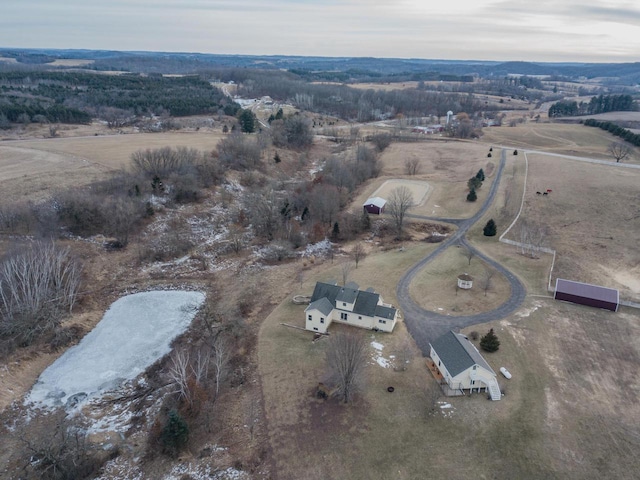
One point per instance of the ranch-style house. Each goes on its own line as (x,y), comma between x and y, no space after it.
(332,303)
(459,367)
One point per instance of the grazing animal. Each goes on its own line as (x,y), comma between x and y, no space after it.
(549,190)
(538,193)
(545,193)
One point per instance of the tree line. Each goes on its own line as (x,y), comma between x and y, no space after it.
(74,97)
(600,104)
(616,130)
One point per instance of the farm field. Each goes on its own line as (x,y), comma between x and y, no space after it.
(446,166)
(568,139)
(32,169)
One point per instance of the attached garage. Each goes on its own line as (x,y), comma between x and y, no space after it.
(586,294)
(375,205)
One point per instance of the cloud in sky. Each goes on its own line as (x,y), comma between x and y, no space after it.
(544,30)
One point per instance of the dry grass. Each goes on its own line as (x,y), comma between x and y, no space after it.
(70,62)
(418,189)
(434,287)
(445,165)
(569,139)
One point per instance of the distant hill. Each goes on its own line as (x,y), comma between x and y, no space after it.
(366,67)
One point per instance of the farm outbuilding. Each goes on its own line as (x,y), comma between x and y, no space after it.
(375,205)
(586,294)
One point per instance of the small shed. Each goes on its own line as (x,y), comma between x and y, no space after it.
(586,294)
(375,205)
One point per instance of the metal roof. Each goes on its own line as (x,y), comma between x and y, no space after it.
(587,290)
(458,353)
(377,201)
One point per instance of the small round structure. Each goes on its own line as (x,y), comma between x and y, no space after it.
(465,281)
(390,389)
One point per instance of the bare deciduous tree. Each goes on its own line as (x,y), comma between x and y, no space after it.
(188,372)
(400,201)
(38,286)
(468,253)
(346,359)
(412,166)
(486,280)
(532,238)
(345,268)
(221,358)
(403,354)
(619,150)
(358,253)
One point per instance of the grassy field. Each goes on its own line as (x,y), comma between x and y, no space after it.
(569,139)
(445,166)
(434,287)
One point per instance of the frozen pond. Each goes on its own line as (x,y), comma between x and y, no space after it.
(135,332)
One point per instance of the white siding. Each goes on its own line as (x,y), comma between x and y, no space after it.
(316,321)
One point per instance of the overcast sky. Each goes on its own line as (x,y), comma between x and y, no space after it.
(535,30)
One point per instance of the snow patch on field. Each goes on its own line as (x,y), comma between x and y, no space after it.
(378,357)
(135,331)
(446,409)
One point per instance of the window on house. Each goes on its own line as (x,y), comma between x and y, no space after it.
(382,321)
(315,328)
(321,320)
(359,317)
(343,316)
(474,367)
(344,304)
(473,382)
(310,318)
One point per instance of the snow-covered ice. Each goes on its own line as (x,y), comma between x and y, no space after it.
(135,331)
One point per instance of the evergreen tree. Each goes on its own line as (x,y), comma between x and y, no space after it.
(472,197)
(175,433)
(276,158)
(490,229)
(480,175)
(247,121)
(474,183)
(336,231)
(490,342)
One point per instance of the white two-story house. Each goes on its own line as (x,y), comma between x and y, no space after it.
(332,303)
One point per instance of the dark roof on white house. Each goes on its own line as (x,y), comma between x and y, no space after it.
(586,290)
(323,305)
(385,312)
(347,294)
(458,353)
(366,302)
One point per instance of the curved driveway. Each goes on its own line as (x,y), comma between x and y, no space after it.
(424,325)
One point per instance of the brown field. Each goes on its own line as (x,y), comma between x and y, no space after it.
(387,87)
(33,168)
(569,139)
(419,190)
(445,166)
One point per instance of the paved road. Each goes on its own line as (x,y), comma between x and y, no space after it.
(424,325)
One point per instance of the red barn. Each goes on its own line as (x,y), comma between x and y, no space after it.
(375,205)
(586,294)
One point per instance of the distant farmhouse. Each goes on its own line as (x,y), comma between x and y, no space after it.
(459,367)
(332,303)
(375,205)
